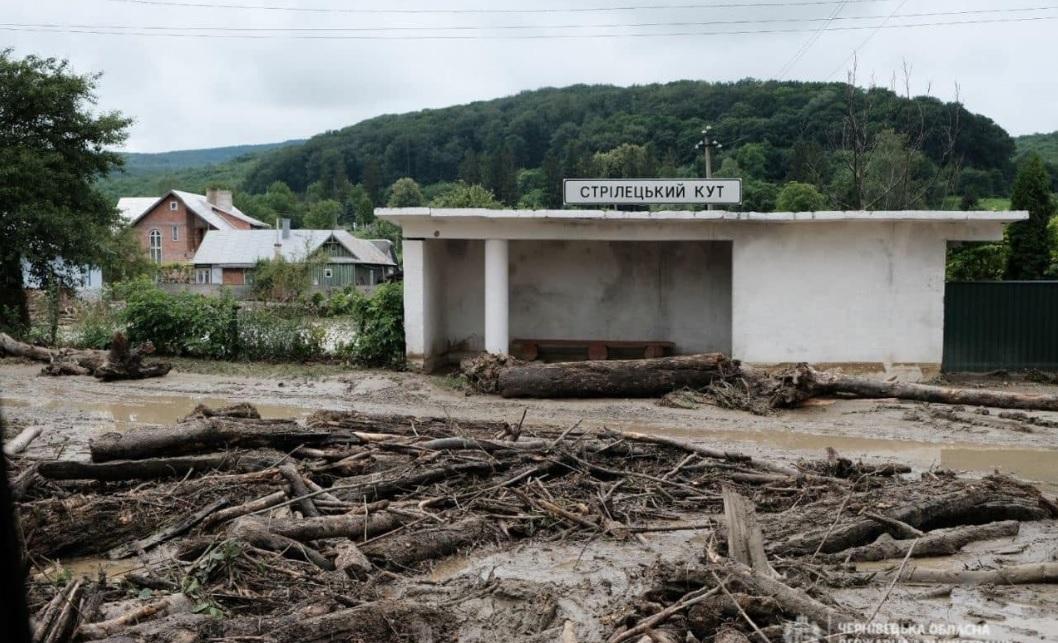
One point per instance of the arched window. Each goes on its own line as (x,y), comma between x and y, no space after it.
(156,246)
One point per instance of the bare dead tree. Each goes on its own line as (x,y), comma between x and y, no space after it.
(898,186)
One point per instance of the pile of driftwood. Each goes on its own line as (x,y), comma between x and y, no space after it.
(714,375)
(121,362)
(276,530)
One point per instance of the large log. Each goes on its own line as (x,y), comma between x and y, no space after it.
(153,468)
(614,378)
(803,382)
(121,363)
(941,542)
(992,499)
(209,434)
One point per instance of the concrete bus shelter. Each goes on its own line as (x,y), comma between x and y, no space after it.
(766,288)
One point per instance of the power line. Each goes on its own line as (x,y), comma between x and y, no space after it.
(866,40)
(800,53)
(287,8)
(175,34)
(828,19)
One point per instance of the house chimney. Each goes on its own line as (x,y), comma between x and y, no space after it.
(286,228)
(219,198)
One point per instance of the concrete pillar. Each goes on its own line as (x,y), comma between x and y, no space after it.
(415,313)
(497,338)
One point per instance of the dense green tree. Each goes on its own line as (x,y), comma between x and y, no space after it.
(1030,241)
(752,159)
(759,196)
(281,200)
(800,197)
(53,148)
(371,178)
(625,161)
(501,175)
(405,193)
(808,163)
(470,168)
(976,261)
(323,215)
(358,210)
(467,196)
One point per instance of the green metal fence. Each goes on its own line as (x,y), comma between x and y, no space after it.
(991,325)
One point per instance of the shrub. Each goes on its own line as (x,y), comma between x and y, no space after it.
(181,323)
(96,325)
(379,337)
(281,280)
(275,334)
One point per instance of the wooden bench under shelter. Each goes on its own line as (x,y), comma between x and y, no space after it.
(530,349)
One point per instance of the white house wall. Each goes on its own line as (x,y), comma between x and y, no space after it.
(865,292)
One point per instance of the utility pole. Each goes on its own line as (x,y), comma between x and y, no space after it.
(706,145)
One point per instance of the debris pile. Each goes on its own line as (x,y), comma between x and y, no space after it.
(276,530)
(121,362)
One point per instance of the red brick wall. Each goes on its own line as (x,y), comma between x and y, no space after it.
(163,219)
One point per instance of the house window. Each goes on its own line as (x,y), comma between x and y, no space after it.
(202,276)
(173,206)
(176,233)
(328,273)
(156,245)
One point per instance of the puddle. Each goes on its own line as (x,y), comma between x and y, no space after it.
(156,409)
(1037,465)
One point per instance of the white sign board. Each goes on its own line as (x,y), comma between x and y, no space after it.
(652,191)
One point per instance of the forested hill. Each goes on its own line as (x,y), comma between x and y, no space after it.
(1046,145)
(183,159)
(772,132)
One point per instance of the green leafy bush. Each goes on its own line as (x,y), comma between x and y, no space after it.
(281,280)
(277,334)
(181,323)
(379,337)
(96,325)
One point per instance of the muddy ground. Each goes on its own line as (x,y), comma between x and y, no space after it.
(582,579)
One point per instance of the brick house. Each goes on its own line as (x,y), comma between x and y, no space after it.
(171,228)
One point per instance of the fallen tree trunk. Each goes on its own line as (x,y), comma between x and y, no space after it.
(614,378)
(343,526)
(942,542)
(803,382)
(1013,575)
(993,499)
(209,434)
(172,531)
(120,363)
(406,549)
(154,468)
(168,605)
(18,444)
(257,533)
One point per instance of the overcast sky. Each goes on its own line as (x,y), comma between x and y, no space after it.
(191,83)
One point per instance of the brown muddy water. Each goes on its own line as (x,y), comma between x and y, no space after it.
(134,411)
(1036,465)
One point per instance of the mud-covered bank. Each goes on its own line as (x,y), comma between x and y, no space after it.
(73,409)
